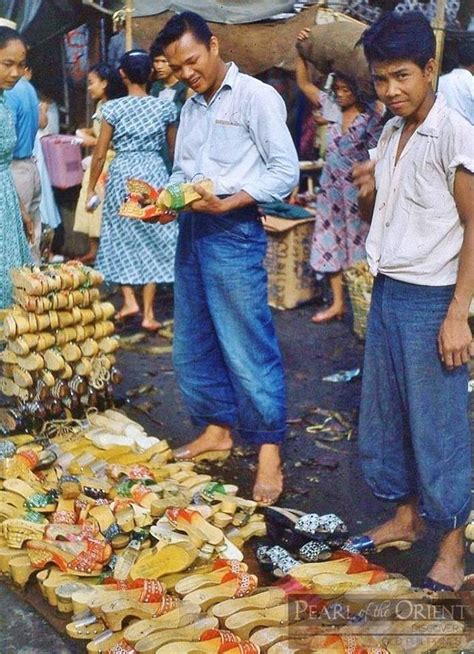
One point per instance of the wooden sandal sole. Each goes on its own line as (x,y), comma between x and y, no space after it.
(261,599)
(151,643)
(244,622)
(182,616)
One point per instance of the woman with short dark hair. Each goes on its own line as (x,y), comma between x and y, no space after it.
(131,252)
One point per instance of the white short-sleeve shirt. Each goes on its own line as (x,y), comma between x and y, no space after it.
(416,233)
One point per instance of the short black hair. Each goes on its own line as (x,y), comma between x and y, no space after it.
(8,34)
(178,25)
(466,52)
(400,36)
(115,87)
(137,66)
(156,48)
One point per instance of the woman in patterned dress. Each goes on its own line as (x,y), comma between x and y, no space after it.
(14,250)
(339,231)
(131,252)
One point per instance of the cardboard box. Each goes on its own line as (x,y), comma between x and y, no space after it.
(291,280)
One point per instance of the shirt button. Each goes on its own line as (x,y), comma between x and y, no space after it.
(387,224)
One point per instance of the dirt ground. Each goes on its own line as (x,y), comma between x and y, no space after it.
(320,476)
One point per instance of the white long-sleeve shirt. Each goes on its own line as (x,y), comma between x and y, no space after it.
(239,140)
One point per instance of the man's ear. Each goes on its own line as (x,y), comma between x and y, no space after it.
(430,69)
(214,45)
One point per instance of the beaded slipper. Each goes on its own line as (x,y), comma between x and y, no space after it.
(314,551)
(320,527)
(83,559)
(276,559)
(231,586)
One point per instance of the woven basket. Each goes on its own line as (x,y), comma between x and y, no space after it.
(359,282)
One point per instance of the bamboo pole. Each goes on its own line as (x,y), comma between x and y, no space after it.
(128,25)
(438,27)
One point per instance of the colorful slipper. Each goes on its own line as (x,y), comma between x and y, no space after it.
(432,586)
(314,551)
(192,523)
(220,569)
(231,586)
(320,527)
(364,545)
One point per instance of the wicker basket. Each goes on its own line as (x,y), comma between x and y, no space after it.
(359,282)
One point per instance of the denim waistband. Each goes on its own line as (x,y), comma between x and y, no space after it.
(408,290)
(246,213)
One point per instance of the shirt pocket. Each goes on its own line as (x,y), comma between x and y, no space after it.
(427,234)
(227,143)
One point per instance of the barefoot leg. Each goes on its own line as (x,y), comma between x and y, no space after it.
(448,568)
(149,322)
(405,525)
(337,308)
(214,437)
(269,479)
(130,305)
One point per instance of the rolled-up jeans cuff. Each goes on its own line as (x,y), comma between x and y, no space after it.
(398,499)
(262,437)
(221,419)
(448,524)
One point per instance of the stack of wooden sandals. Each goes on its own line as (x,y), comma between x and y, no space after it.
(60,347)
(146,553)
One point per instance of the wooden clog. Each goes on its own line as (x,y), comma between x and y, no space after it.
(164,559)
(181,616)
(191,632)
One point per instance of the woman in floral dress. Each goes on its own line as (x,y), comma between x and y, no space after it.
(14,250)
(132,252)
(339,232)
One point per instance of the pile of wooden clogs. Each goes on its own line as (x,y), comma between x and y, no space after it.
(146,554)
(60,346)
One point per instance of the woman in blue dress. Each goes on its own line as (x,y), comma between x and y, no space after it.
(14,250)
(131,252)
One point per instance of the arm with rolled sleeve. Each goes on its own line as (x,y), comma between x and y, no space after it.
(268,130)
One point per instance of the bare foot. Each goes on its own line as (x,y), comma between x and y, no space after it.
(406,525)
(331,313)
(214,437)
(89,257)
(448,569)
(127,312)
(151,325)
(269,480)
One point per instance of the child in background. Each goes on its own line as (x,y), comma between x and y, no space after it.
(103,83)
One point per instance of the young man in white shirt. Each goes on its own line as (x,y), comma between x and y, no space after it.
(225,350)
(419,191)
(458,85)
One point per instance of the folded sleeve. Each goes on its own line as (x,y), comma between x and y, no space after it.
(459,149)
(109,113)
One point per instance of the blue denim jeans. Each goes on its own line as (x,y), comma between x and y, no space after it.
(414,432)
(226,356)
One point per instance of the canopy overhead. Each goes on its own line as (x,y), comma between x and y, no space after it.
(222,11)
(255,47)
(41,20)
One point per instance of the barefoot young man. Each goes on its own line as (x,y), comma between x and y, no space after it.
(226,354)
(414,429)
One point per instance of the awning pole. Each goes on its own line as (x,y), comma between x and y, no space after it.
(128,25)
(438,26)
